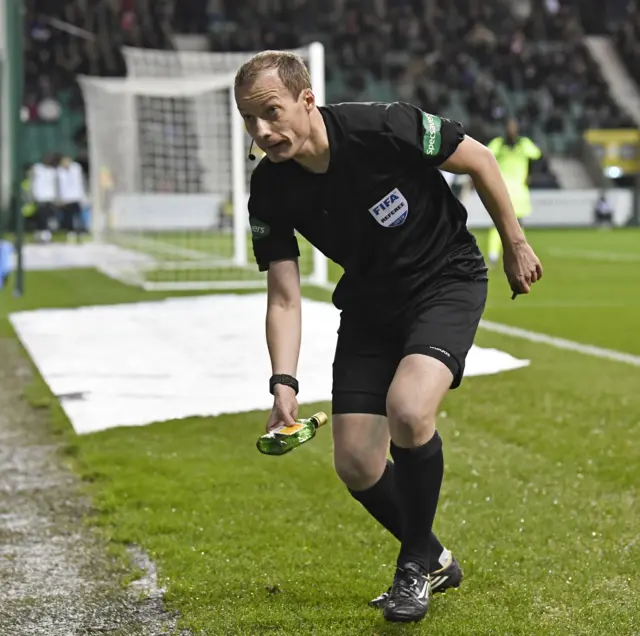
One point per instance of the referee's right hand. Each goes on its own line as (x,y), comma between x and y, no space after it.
(285,408)
(521,266)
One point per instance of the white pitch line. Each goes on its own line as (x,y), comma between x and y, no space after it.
(590,255)
(553,341)
(561,343)
(160,246)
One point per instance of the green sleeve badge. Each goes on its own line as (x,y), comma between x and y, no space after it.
(259,229)
(432,135)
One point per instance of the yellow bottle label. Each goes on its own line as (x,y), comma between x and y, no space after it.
(288,430)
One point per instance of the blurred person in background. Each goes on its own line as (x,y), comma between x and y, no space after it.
(603,212)
(225,213)
(6,262)
(44,189)
(71,195)
(28,207)
(513,154)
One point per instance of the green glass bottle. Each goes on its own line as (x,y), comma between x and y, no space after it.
(285,438)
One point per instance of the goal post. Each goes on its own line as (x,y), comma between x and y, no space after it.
(163,157)
(170,172)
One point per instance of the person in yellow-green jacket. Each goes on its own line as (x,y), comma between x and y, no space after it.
(28,206)
(513,154)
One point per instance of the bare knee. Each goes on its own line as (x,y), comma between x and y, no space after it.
(357,471)
(411,425)
(414,398)
(361,443)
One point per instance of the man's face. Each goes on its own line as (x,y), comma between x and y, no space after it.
(276,121)
(512,128)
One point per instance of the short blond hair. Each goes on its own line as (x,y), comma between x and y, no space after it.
(291,68)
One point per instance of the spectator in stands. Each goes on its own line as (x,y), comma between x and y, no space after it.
(71,195)
(28,207)
(627,36)
(603,212)
(44,186)
(498,57)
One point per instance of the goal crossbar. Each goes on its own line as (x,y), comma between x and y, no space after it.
(168,87)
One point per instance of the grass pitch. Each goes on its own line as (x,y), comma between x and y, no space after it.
(539,502)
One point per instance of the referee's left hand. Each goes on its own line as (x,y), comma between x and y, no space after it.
(522,267)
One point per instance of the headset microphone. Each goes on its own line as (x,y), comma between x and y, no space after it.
(252,157)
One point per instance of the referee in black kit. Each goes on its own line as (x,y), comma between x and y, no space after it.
(361,182)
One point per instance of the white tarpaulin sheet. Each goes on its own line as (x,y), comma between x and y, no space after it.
(133,364)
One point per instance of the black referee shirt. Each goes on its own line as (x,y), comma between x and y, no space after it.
(382,210)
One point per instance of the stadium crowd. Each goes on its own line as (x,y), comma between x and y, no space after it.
(65,38)
(627,37)
(430,51)
(475,60)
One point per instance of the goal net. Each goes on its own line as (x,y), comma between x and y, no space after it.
(170,172)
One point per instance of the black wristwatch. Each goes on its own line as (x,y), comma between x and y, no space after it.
(282,378)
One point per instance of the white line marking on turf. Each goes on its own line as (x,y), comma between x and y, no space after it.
(160,246)
(561,343)
(589,255)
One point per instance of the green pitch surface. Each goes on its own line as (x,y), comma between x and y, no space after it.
(539,501)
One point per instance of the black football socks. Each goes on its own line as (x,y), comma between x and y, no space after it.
(380,501)
(418,477)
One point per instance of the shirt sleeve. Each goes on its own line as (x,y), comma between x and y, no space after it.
(429,137)
(272,236)
(495,144)
(530,150)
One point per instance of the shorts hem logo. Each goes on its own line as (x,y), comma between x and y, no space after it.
(391,210)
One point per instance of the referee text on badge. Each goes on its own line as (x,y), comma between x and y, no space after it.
(392,210)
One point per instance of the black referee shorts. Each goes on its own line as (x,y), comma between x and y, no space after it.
(442,326)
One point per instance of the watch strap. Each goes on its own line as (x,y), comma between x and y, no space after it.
(282,378)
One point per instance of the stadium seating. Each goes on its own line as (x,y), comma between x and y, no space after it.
(626,33)
(473,60)
(65,38)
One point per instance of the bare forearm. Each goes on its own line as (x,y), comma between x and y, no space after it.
(522,266)
(493,193)
(284,328)
(476,160)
